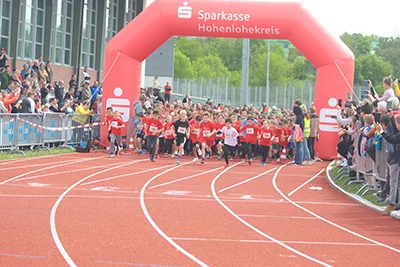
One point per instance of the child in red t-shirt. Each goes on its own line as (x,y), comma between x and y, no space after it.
(153,129)
(219,136)
(206,135)
(265,136)
(276,140)
(194,136)
(251,130)
(116,124)
(169,136)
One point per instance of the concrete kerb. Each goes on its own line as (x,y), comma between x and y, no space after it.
(361,200)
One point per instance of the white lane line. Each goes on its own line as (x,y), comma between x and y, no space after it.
(326,220)
(278,217)
(246,181)
(40,165)
(184,178)
(69,171)
(271,242)
(306,182)
(125,175)
(54,165)
(155,226)
(53,228)
(18,160)
(256,229)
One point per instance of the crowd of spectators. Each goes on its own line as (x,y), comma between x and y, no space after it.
(33,90)
(370,128)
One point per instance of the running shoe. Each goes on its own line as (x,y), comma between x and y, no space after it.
(178,162)
(262,163)
(226,166)
(112,155)
(250,160)
(219,157)
(203,161)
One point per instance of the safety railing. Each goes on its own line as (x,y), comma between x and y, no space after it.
(40,131)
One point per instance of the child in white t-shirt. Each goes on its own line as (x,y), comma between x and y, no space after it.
(230,140)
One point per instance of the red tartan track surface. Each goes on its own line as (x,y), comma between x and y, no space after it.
(91,210)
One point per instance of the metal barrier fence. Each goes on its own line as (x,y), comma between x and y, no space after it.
(368,173)
(33,130)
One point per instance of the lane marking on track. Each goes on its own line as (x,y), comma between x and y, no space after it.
(44,164)
(53,165)
(17,160)
(306,182)
(246,181)
(53,228)
(184,178)
(125,175)
(132,263)
(271,242)
(256,229)
(69,171)
(24,211)
(326,220)
(21,256)
(155,226)
(278,217)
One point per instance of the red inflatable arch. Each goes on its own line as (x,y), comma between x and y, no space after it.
(231,19)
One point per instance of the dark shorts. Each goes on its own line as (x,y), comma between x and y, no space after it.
(197,143)
(139,136)
(180,141)
(219,141)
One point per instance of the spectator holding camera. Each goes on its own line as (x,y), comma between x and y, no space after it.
(3,58)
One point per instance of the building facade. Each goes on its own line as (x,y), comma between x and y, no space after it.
(52,29)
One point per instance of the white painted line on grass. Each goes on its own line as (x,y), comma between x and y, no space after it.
(256,229)
(326,220)
(53,228)
(184,178)
(306,182)
(271,242)
(125,175)
(155,226)
(53,165)
(246,181)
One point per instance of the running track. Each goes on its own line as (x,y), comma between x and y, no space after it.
(90,210)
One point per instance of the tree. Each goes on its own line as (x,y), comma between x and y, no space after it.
(191,47)
(389,50)
(374,68)
(210,67)
(183,66)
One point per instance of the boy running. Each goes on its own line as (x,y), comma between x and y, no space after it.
(230,140)
(116,139)
(169,136)
(265,141)
(139,126)
(206,135)
(182,132)
(153,129)
(219,141)
(194,136)
(251,131)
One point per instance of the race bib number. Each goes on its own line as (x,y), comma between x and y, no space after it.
(153,128)
(206,133)
(168,132)
(181,130)
(196,131)
(249,131)
(267,135)
(114,123)
(276,139)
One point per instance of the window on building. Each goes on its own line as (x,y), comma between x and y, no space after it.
(130,11)
(31,29)
(5,23)
(89,34)
(111,19)
(61,44)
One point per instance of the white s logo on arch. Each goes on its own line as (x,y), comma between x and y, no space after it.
(120,104)
(185,11)
(326,122)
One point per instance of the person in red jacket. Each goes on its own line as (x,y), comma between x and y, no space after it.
(9,99)
(167,92)
(194,136)
(265,136)
(251,130)
(169,136)
(276,140)
(219,141)
(115,127)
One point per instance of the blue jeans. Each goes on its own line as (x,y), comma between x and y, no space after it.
(298,158)
(306,151)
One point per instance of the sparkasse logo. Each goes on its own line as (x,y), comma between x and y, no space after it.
(185,11)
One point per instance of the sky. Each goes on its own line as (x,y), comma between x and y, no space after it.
(380,17)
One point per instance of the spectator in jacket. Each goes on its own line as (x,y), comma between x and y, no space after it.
(298,160)
(167,92)
(59,91)
(314,125)
(10,99)
(49,71)
(35,67)
(86,94)
(96,90)
(186,99)
(28,104)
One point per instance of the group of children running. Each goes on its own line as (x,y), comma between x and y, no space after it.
(205,134)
